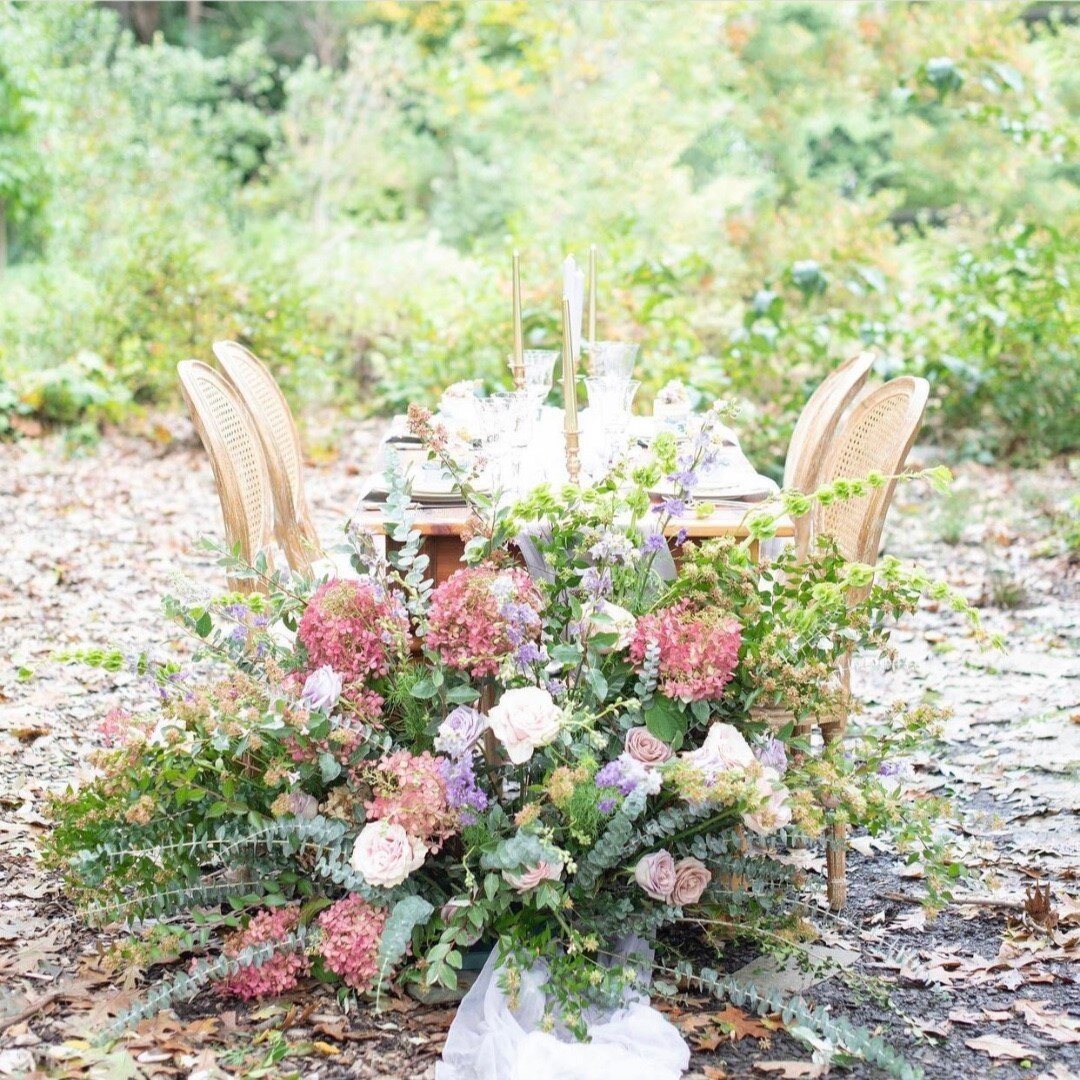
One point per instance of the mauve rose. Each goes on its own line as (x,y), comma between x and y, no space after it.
(642,745)
(773,811)
(524,719)
(613,619)
(655,873)
(459,731)
(303,805)
(386,854)
(691,878)
(533,875)
(322,689)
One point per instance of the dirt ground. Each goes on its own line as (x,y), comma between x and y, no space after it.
(89,544)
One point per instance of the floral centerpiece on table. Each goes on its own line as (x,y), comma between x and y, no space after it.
(380,774)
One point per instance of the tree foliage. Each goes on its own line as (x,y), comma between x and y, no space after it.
(771,186)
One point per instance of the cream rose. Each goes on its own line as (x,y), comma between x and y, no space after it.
(523,720)
(655,873)
(724,749)
(773,812)
(386,854)
(691,879)
(533,875)
(643,746)
(612,620)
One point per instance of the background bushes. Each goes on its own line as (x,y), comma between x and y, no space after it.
(339,185)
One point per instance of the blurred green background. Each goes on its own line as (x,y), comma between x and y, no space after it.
(339,185)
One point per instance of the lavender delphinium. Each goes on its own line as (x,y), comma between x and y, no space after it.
(772,755)
(462,791)
(629,777)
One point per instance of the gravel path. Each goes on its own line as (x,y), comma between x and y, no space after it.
(90,544)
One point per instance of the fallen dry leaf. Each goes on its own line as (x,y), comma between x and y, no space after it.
(1055,1025)
(1001,1049)
(793,1070)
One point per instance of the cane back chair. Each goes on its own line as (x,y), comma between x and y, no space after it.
(281,446)
(877,436)
(236,455)
(817,427)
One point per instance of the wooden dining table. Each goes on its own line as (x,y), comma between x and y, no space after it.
(442,527)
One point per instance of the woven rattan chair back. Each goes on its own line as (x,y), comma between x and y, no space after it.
(236,455)
(815,430)
(281,445)
(877,436)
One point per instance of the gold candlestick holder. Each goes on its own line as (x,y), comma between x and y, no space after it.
(570,418)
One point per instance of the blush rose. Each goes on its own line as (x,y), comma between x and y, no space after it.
(385,854)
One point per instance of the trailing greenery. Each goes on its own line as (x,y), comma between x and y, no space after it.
(817,178)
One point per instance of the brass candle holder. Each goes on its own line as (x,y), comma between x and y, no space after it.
(518,360)
(570,417)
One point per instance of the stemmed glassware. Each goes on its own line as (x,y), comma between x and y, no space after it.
(611,400)
(539,365)
(507,423)
(611,359)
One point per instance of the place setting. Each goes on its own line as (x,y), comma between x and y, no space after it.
(524,440)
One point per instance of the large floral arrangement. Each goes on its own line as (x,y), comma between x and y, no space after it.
(394,773)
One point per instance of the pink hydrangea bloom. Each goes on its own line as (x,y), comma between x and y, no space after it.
(114,727)
(355,627)
(481,615)
(352,929)
(699,650)
(280,972)
(410,790)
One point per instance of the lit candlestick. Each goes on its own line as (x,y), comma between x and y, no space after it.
(519,338)
(592,293)
(570,420)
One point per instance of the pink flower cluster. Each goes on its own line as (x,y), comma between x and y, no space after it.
(280,972)
(480,615)
(699,650)
(410,790)
(355,627)
(352,929)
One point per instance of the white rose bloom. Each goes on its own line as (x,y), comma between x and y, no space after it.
(386,854)
(724,749)
(523,720)
(614,620)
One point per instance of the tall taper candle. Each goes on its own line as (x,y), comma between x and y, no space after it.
(592,293)
(570,421)
(519,338)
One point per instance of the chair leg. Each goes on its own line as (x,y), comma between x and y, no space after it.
(836,865)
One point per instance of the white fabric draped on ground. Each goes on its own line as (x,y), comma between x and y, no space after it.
(488,1041)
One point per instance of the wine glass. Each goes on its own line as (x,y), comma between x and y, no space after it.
(611,359)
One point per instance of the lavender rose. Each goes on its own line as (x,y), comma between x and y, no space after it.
(459,731)
(655,874)
(322,689)
(642,745)
(386,854)
(691,879)
(533,875)
(524,719)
